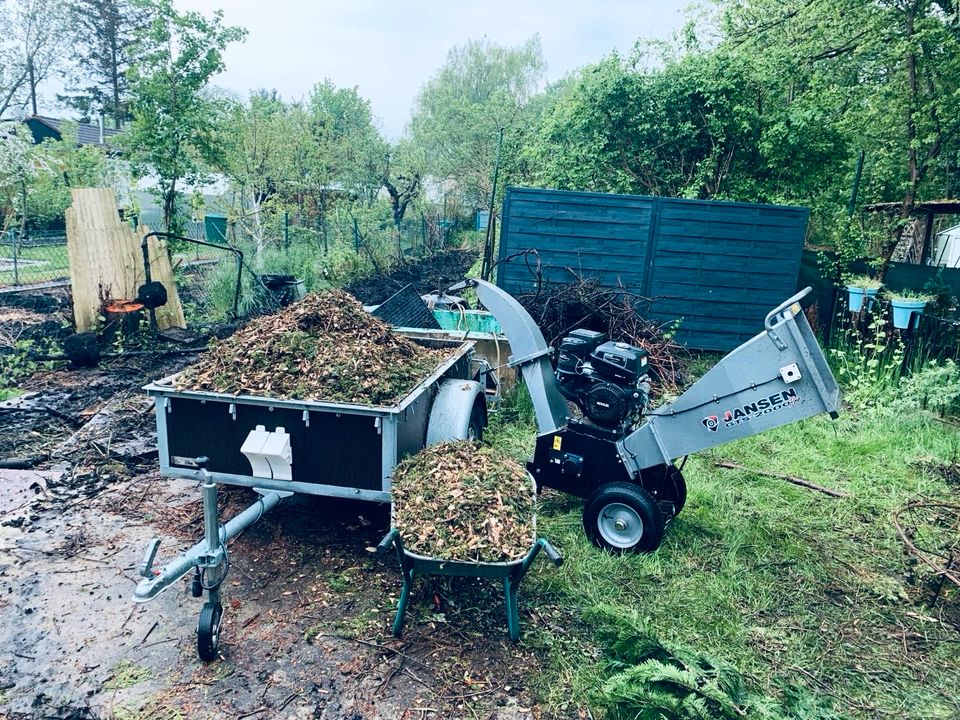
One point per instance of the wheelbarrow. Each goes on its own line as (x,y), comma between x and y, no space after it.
(510,572)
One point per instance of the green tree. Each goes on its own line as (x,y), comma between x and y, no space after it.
(103,34)
(481,88)
(886,72)
(33,37)
(173,133)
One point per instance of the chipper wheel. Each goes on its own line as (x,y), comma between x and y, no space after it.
(623,517)
(208,631)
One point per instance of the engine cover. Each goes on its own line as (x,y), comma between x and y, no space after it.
(605,403)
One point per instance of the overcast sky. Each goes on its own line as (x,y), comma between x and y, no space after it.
(388,49)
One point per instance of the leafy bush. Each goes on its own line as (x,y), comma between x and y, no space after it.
(651,679)
(934,386)
(868,364)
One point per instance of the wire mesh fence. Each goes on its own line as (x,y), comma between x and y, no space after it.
(33,259)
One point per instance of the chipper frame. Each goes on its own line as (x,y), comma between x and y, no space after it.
(627,476)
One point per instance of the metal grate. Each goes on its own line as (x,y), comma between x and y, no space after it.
(405,308)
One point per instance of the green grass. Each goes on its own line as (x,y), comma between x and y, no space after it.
(126,674)
(52,259)
(789,586)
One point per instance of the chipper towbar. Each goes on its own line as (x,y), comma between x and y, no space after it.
(620,457)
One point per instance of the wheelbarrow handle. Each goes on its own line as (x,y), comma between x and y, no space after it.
(388,540)
(555,557)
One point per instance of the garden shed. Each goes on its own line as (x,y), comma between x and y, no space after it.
(718,267)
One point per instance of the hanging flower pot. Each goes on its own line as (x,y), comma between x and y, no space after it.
(861,289)
(904,308)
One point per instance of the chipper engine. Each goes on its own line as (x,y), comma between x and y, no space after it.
(619,456)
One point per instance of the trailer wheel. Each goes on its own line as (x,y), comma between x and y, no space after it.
(623,517)
(478,421)
(208,631)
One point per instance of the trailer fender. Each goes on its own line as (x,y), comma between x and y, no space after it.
(459,411)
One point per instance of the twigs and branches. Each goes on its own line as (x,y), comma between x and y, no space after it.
(930,530)
(618,312)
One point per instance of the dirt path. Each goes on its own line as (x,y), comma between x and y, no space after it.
(307,612)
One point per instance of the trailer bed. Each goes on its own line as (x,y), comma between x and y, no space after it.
(339,449)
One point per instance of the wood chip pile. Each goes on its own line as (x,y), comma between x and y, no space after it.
(464,501)
(324,347)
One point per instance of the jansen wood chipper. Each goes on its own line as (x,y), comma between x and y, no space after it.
(619,456)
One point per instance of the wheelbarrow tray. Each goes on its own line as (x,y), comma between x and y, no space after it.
(510,572)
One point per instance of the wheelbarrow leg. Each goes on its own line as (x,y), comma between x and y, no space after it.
(510,586)
(404,599)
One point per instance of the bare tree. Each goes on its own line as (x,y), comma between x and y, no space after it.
(32,42)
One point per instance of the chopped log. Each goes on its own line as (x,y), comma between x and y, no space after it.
(789,478)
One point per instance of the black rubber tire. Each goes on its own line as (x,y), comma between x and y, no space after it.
(208,631)
(624,496)
(477,423)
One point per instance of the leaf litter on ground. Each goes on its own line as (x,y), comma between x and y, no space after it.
(464,501)
(323,347)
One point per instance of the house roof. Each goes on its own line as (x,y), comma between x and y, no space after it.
(87,133)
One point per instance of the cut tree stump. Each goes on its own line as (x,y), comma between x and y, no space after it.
(106,262)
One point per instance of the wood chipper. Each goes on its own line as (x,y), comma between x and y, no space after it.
(620,456)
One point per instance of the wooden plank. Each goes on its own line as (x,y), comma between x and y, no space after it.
(106,262)
(161,270)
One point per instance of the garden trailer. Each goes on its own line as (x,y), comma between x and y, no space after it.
(281,447)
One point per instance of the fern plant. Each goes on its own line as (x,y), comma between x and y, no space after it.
(651,679)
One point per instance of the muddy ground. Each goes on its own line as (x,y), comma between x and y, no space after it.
(308,607)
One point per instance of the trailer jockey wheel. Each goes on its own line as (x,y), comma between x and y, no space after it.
(623,517)
(208,631)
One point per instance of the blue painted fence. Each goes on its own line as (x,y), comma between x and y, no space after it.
(718,267)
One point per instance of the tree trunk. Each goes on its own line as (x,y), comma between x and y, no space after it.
(909,196)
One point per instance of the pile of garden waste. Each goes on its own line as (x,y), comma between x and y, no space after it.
(463,501)
(324,347)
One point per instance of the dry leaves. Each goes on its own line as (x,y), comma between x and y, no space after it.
(324,347)
(463,501)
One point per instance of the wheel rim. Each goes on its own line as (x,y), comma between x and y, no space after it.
(620,525)
(215,630)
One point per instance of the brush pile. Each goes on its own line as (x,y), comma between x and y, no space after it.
(463,501)
(324,347)
(616,312)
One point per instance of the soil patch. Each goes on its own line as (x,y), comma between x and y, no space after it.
(432,274)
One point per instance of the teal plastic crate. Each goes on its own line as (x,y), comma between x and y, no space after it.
(469,320)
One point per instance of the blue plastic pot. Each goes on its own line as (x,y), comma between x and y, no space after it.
(856,296)
(903,310)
